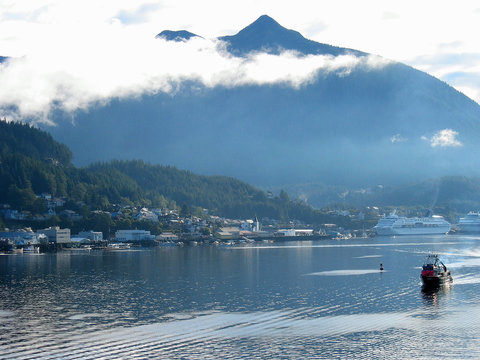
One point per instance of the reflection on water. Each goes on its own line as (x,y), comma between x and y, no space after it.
(207,303)
(433,294)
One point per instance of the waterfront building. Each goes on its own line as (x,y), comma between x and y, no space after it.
(22,237)
(56,235)
(294,232)
(285,232)
(92,235)
(250,225)
(78,241)
(224,235)
(167,236)
(133,235)
(228,232)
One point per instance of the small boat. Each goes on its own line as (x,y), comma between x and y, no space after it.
(434,272)
(118,246)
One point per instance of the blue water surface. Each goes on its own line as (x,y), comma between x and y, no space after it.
(308,299)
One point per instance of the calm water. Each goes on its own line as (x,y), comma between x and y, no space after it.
(310,300)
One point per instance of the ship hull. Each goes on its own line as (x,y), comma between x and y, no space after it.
(388,231)
(469,228)
(432,281)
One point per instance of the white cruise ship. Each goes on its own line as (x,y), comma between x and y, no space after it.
(399,225)
(470,223)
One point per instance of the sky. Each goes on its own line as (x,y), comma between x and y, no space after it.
(72,54)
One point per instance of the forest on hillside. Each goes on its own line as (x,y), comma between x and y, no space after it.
(32,163)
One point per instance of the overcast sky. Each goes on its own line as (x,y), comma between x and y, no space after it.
(65,48)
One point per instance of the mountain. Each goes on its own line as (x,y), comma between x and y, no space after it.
(180,35)
(455,194)
(371,123)
(266,35)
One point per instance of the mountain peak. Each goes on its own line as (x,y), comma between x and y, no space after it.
(267,35)
(265,22)
(180,35)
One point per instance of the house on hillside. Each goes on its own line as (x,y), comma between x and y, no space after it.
(146,214)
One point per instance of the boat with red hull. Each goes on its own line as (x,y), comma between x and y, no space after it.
(434,272)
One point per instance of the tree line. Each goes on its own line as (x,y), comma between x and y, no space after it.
(32,163)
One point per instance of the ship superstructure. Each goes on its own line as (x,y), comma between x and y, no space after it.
(470,223)
(400,225)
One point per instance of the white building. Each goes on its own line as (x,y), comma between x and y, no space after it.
(80,241)
(286,232)
(133,235)
(294,232)
(167,236)
(145,214)
(56,235)
(92,235)
(250,225)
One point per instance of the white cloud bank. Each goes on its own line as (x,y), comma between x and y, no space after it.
(444,138)
(75,73)
(74,53)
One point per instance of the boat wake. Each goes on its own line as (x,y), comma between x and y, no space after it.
(466,279)
(345,272)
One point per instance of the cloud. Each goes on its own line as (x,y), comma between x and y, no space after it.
(459,69)
(398,138)
(37,26)
(138,15)
(444,138)
(79,69)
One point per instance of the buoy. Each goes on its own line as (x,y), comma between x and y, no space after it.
(381,267)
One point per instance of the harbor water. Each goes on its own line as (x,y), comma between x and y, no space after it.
(291,300)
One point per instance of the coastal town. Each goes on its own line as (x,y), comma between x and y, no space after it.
(178,228)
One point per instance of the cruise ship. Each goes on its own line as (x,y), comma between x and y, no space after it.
(399,225)
(470,223)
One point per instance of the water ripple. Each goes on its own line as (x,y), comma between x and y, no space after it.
(223,335)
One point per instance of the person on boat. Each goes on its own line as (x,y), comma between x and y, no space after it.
(381,266)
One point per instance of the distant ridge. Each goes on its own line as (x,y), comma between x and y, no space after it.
(267,35)
(180,35)
(363,126)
